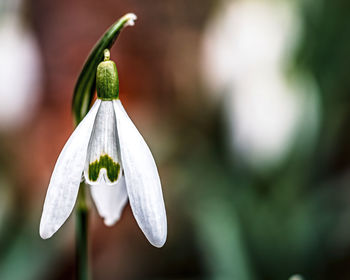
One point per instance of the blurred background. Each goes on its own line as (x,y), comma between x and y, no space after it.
(245,106)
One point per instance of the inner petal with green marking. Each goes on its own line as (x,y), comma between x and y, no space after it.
(102,162)
(112,169)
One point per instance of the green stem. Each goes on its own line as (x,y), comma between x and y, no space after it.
(82,235)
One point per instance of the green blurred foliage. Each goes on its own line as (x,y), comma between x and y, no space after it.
(294,219)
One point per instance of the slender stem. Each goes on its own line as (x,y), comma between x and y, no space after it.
(82,235)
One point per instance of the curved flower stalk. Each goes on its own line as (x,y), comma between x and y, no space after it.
(115,161)
(84,90)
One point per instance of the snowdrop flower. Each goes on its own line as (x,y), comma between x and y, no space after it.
(115,161)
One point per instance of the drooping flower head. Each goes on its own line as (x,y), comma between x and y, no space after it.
(115,161)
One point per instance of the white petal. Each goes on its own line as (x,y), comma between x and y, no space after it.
(110,200)
(64,183)
(103,147)
(142,179)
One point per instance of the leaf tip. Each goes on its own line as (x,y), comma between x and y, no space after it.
(130,19)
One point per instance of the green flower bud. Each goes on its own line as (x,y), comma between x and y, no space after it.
(107,82)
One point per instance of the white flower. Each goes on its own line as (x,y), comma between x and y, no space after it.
(115,160)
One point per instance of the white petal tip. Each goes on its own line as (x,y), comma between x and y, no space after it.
(130,17)
(45,234)
(157,241)
(46,231)
(110,222)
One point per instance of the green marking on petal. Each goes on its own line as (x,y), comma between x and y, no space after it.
(113,168)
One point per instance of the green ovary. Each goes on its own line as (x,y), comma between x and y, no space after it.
(106,162)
